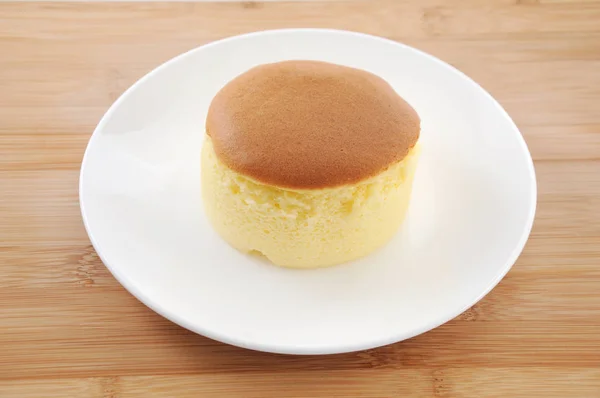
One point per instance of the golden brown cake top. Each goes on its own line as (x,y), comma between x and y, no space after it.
(310,125)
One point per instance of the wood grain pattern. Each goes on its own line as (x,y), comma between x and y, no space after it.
(68,329)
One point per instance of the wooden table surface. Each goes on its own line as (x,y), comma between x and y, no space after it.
(68,329)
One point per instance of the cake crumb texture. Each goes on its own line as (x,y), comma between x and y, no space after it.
(306,228)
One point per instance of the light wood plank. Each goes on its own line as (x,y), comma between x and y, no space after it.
(552,142)
(405,382)
(61,388)
(41,207)
(431,18)
(441,382)
(517,382)
(35,152)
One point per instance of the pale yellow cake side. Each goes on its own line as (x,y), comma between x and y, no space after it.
(306,228)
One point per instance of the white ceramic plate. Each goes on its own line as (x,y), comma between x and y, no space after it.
(472,208)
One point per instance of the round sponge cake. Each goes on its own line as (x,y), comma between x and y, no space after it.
(308,163)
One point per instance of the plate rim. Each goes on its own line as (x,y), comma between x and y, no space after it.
(133,289)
